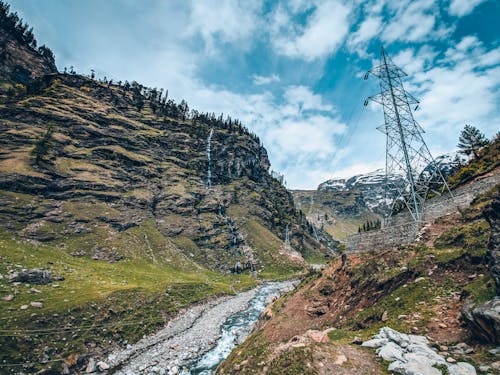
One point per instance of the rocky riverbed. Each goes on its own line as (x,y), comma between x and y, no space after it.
(198,338)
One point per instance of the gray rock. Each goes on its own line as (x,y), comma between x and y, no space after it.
(424,351)
(91,366)
(495,351)
(412,355)
(484,319)
(102,366)
(492,214)
(461,368)
(391,352)
(484,368)
(375,343)
(413,368)
(37,276)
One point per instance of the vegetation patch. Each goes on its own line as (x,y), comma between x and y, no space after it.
(294,361)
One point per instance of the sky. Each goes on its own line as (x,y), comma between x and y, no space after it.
(292,71)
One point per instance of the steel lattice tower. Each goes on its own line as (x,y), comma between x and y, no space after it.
(411,172)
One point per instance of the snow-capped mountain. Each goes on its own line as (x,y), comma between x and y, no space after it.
(372,185)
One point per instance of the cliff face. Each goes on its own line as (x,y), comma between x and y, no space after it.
(105,167)
(20,63)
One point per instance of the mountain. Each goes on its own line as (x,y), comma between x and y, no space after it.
(340,206)
(119,206)
(370,185)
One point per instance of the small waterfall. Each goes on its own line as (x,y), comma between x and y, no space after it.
(209,172)
(232,230)
(287,239)
(315,233)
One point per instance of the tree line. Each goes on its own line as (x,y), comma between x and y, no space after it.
(14,25)
(161,105)
(370,225)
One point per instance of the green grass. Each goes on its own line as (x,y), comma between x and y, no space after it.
(472,236)
(481,289)
(341,335)
(293,362)
(101,301)
(403,301)
(487,161)
(267,246)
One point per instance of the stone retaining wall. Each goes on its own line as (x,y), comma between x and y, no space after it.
(402,230)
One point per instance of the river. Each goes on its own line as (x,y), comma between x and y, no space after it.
(198,339)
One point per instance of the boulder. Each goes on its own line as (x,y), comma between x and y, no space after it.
(317,336)
(103,366)
(37,276)
(375,343)
(91,366)
(413,368)
(484,319)
(391,352)
(412,355)
(461,368)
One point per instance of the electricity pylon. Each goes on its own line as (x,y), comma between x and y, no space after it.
(410,171)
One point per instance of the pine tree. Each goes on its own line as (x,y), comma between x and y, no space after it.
(42,145)
(471,140)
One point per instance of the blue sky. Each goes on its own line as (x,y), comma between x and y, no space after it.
(292,70)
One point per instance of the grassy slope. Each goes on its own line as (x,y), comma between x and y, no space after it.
(339,225)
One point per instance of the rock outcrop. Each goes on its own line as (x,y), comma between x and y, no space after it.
(32,276)
(412,354)
(483,320)
(492,215)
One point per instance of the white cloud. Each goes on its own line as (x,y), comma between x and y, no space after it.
(324,32)
(359,168)
(459,90)
(368,29)
(298,129)
(412,21)
(413,62)
(461,8)
(228,21)
(265,80)
(304,99)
